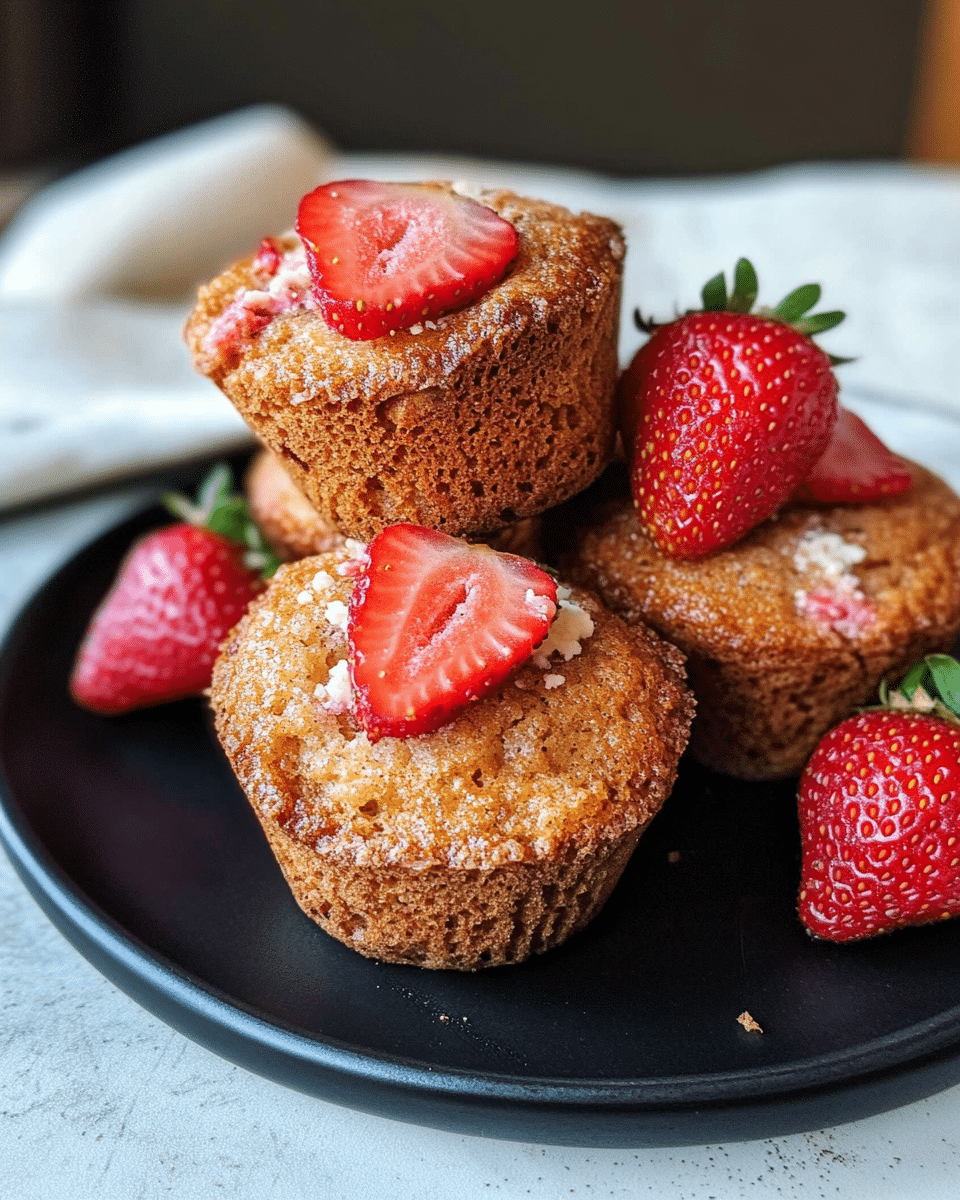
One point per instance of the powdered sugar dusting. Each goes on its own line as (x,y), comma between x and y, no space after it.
(828,553)
(337,614)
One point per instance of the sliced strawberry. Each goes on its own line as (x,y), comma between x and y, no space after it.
(384,256)
(435,623)
(855,467)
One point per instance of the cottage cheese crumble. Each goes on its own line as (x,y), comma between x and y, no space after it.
(571,626)
(835,601)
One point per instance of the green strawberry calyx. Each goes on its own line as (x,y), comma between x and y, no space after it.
(793,309)
(931,687)
(221,509)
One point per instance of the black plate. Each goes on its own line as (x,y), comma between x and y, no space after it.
(133,836)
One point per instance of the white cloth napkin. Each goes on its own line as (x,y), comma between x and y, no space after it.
(95,381)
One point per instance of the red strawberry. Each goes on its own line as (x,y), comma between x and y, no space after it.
(384,256)
(855,467)
(435,623)
(880,814)
(725,413)
(178,594)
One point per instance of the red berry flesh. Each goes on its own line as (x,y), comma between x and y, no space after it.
(385,256)
(435,623)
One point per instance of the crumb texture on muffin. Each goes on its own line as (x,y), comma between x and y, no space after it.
(295,529)
(794,626)
(465,424)
(493,837)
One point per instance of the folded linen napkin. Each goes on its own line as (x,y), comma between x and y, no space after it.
(95,382)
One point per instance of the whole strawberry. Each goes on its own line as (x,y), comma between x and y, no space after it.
(880,812)
(178,594)
(725,412)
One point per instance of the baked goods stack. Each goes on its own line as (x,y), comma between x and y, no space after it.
(451,753)
(501,830)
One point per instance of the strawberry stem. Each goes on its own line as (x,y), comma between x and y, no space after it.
(793,309)
(219,508)
(930,686)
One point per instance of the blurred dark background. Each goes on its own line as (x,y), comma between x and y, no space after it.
(674,87)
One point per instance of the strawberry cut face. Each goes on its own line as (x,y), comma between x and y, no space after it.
(384,256)
(436,623)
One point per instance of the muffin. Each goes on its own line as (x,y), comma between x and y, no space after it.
(465,424)
(796,624)
(295,529)
(490,839)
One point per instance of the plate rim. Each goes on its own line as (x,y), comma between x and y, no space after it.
(930,1041)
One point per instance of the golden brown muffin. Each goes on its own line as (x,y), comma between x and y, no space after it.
(295,529)
(794,626)
(490,839)
(464,424)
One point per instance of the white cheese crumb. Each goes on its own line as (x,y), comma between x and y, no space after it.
(300,398)
(570,627)
(828,553)
(337,613)
(415,329)
(322,581)
(430,324)
(553,681)
(337,696)
(465,187)
(305,597)
(357,549)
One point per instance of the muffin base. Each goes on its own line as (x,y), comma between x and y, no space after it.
(444,918)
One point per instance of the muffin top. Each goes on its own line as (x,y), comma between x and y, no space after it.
(866,575)
(564,261)
(546,766)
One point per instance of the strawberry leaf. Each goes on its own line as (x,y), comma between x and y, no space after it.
(819,322)
(229,518)
(222,510)
(945,673)
(917,676)
(793,306)
(745,287)
(714,294)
